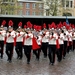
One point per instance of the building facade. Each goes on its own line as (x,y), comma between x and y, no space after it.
(37,7)
(30,7)
(68,7)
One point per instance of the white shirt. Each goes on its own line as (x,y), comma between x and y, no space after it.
(70,36)
(2,35)
(19,36)
(45,38)
(66,36)
(10,37)
(52,41)
(28,40)
(74,36)
(61,38)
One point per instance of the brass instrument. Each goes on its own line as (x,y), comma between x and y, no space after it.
(1,28)
(24,31)
(8,31)
(18,31)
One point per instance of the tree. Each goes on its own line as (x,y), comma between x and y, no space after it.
(0,6)
(7,7)
(52,7)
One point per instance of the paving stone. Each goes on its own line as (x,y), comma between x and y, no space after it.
(41,67)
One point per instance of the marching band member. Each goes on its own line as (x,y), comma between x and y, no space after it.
(38,37)
(52,44)
(61,42)
(28,43)
(2,38)
(19,41)
(10,41)
(45,36)
(73,36)
(24,30)
(65,41)
(69,39)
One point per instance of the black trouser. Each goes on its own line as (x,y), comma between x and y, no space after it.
(1,48)
(69,47)
(59,52)
(27,51)
(73,45)
(37,53)
(9,50)
(19,50)
(65,48)
(51,53)
(44,48)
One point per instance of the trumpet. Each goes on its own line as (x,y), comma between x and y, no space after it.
(24,31)
(8,31)
(1,29)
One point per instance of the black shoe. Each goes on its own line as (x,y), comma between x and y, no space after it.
(10,61)
(45,56)
(64,57)
(37,58)
(68,52)
(28,62)
(59,60)
(52,63)
(1,56)
(20,58)
(72,50)
(17,57)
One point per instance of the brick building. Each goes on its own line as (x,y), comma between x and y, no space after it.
(30,7)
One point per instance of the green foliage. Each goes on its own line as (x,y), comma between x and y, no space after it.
(53,6)
(7,7)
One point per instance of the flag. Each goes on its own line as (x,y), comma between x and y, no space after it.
(67,22)
(35,46)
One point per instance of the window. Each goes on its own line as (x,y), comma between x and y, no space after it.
(27,5)
(8,0)
(33,5)
(67,3)
(20,4)
(27,12)
(20,12)
(5,0)
(6,13)
(41,6)
(63,3)
(40,13)
(47,12)
(12,0)
(71,4)
(33,13)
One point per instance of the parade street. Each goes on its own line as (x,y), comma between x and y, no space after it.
(41,67)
